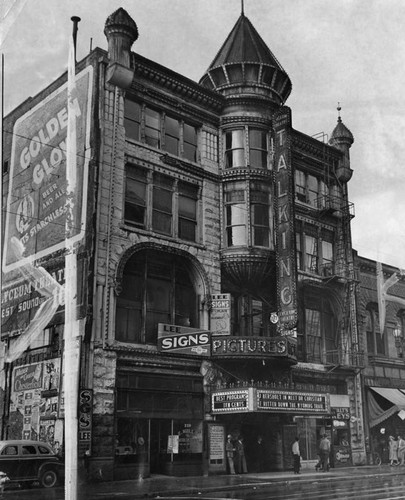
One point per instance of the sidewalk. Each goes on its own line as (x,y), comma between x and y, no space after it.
(157,485)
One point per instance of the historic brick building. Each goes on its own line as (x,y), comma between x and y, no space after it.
(381,316)
(216,278)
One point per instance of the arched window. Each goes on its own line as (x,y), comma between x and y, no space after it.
(156,288)
(375,340)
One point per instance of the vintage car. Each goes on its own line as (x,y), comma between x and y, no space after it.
(27,461)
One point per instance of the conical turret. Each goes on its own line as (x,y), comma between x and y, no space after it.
(246,63)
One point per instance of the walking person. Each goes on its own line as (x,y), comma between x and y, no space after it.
(393,450)
(324,452)
(230,451)
(296,455)
(241,467)
(401,450)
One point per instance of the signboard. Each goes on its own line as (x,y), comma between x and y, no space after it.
(36,204)
(238,400)
(299,402)
(184,340)
(35,402)
(216,441)
(285,235)
(85,420)
(221,314)
(21,299)
(341,413)
(253,346)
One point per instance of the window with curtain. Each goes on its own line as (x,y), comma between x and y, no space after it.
(314,250)
(156,288)
(239,154)
(311,254)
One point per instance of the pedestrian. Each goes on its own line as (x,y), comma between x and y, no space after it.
(258,455)
(324,451)
(230,451)
(296,455)
(401,450)
(3,480)
(393,450)
(241,467)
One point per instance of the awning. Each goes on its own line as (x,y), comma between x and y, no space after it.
(376,413)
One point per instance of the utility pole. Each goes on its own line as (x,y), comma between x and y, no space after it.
(72,332)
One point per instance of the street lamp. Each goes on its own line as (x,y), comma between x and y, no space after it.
(399,340)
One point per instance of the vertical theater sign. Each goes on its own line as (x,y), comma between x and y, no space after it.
(286,264)
(36,204)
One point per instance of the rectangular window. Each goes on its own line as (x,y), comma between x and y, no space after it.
(190,142)
(152,128)
(211,146)
(162,204)
(308,189)
(260,225)
(172,135)
(311,254)
(187,200)
(257,148)
(147,125)
(135,196)
(235,149)
(313,335)
(132,120)
(236,224)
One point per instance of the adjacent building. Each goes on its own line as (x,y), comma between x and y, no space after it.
(216,278)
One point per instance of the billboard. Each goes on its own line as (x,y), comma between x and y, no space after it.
(36,204)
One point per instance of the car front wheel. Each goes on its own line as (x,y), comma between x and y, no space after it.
(49,478)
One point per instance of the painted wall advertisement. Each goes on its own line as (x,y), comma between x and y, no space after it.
(36,203)
(286,264)
(36,403)
(221,314)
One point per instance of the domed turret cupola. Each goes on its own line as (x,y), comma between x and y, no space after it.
(246,65)
(341,138)
(121,32)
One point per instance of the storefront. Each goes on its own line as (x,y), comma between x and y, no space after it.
(159,424)
(277,417)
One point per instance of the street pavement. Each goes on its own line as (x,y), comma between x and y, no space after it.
(164,486)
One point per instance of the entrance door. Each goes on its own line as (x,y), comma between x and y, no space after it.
(159,431)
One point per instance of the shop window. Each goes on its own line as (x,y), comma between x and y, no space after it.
(156,288)
(310,430)
(160,130)
(375,340)
(132,441)
(240,153)
(159,203)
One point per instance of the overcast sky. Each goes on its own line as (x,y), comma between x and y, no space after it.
(351,51)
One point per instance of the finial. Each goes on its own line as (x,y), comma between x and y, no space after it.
(242,7)
(339,108)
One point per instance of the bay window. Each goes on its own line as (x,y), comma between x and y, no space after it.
(246,147)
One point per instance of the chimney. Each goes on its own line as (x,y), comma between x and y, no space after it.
(121,32)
